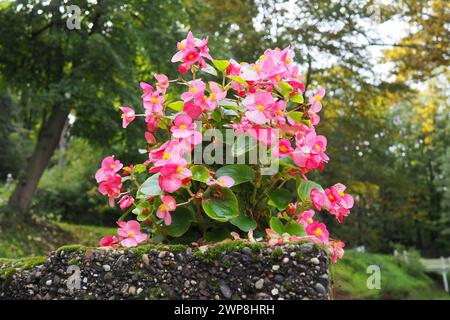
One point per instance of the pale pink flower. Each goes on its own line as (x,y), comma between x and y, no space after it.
(162,82)
(315,100)
(183,126)
(125,202)
(109,167)
(336,249)
(216,95)
(128,115)
(223,181)
(196,91)
(259,107)
(131,233)
(168,204)
(305,218)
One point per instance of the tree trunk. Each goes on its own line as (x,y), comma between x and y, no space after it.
(48,140)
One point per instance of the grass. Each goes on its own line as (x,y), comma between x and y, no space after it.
(397,282)
(21,241)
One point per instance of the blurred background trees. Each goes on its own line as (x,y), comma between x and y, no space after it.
(393,124)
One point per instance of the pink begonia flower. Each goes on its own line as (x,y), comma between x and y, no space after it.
(279,109)
(336,249)
(233,69)
(315,100)
(128,116)
(125,202)
(168,204)
(266,136)
(192,50)
(169,152)
(319,230)
(216,95)
(162,82)
(184,46)
(250,72)
(109,167)
(223,181)
(152,122)
(173,176)
(284,148)
(337,202)
(109,241)
(292,207)
(305,218)
(192,110)
(111,187)
(191,57)
(147,89)
(150,138)
(153,103)
(131,233)
(183,126)
(196,91)
(259,107)
(317,199)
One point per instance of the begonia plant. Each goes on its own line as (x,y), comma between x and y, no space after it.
(170,196)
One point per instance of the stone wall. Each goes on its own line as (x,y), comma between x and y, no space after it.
(230,270)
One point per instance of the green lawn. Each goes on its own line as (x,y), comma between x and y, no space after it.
(397,282)
(349,275)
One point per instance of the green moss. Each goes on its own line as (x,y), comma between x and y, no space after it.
(73,262)
(217,250)
(8,267)
(147,248)
(277,252)
(154,293)
(72,248)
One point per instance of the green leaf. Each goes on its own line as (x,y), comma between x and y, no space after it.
(220,203)
(237,79)
(286,88)
(244,223)
(200,173)
(239,172)
(287,161)
(304,190)
(221,65)
(297,98)
(209,69)
(150,187)
(182,218)
(298,117)
(276,225)
(176,105)
(280,198)
(295,229)
(139,168)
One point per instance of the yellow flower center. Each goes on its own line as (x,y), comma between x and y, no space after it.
(317,98)
(317,147)
(296,76)
(256,68)
(179,169)
(309,221)
(278,78)
(283,149)
(130,234)
(280,112)
(182,127)
(288,61)
(262,57)
(220,181)
(260,107)
(212,96)
(162,207)
(192,89)
(112,166)
(190,57)
(341,194)
(166,156)
(154,100)
(318,232)
(331,197)
(181,46)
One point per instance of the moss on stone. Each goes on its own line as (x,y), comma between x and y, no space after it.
(9,267)
(72,248)
(73,262)
(147,248)
(227,246)
(277,253)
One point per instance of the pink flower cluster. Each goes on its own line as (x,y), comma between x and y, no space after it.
(268,96)
(190,51)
